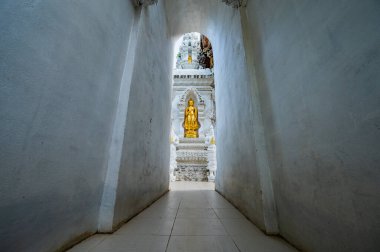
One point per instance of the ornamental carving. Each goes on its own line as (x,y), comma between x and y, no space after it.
(189,93)
(206,58)
(192,173)
(195,156)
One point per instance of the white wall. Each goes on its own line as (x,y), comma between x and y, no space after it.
(61,65)
(318,73)
(238,177)
(144,168)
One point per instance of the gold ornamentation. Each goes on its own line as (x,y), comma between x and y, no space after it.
(191,124)
(212,141)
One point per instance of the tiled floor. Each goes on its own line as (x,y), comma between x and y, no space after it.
(191,217)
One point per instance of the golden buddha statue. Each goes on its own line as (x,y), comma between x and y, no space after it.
(191,120)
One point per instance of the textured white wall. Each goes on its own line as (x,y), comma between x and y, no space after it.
(318,72)
(61,63)
(144,174)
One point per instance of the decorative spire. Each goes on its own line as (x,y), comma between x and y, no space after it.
(188,55)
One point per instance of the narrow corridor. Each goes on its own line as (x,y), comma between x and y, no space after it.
(191,217)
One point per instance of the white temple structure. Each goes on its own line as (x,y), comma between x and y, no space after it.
(193,159)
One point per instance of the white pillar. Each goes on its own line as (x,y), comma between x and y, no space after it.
(211,151)
(173,155)
(173,162)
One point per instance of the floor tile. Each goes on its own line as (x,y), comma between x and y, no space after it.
(240,227)
(146,226)
(262,243)
(228,213)
(159,213)
(166,203)
(201,243)
(195,204)
(220,203)
(190,186)
(132,243)
(197,213)
(187,221)
(88,244)
(198,227)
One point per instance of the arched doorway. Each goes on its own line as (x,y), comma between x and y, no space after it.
(193,114)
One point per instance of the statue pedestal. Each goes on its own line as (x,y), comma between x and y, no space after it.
(192,160)
(191,134)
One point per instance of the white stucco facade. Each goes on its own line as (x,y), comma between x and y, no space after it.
(191,81)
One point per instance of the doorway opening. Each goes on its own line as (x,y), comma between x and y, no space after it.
(193,114)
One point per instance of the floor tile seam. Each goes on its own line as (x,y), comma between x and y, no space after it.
(196,207)
(229,207)
(225,229)
(155,218)
(162,206)
(97,243)
(134,234)
(158,211)
(197,218)
(182,218)
(206,235)
(231,218)
(171,231)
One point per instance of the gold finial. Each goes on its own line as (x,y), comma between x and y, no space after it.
(212,141)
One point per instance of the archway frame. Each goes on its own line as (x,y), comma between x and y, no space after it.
(106,214)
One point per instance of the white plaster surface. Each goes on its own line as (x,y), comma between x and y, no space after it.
(61,69)
(107,207)
(145,162)
(61,65)
(317,65)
